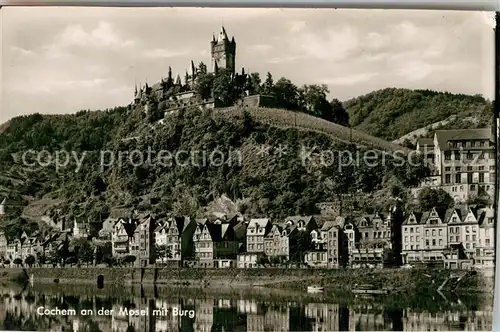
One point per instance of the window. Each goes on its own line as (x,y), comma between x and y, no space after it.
(481,177)
(447,155)
(440,232)
(426,232)
(472,187)
(470,156)
(469,168)
(440,242)
(469,177)
(481,168)
(467,238)
(457,168)
(492,168)
(411,238)
(458,178)
(433,232)
(447,169)
(447,178)
(434,242)
(418,230)
(481,143)
(417,238)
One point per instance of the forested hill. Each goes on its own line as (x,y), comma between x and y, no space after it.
(391,113)
(275,184)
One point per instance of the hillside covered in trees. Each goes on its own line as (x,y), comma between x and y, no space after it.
(274,185)
(391,113)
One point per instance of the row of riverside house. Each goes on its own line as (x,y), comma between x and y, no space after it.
(461,237)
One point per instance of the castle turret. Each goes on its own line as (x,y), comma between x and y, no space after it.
(223,52)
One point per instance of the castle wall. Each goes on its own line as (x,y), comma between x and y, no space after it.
(258,101)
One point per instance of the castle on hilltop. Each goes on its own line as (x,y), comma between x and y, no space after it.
(170,94)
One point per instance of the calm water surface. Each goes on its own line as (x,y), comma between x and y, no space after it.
(199,310)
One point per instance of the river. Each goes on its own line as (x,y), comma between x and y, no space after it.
(58,307)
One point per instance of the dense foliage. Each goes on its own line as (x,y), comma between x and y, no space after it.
(272,185)
(391,113)
(228,88)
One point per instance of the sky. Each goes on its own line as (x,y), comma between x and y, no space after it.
(65,59)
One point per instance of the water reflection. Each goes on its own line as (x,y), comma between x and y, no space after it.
(222,312)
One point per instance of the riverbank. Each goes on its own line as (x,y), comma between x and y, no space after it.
(396,280)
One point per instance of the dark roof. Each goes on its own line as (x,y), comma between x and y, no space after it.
(421,142)
(240,230)
(443,136)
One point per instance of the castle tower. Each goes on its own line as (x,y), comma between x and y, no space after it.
(223,52)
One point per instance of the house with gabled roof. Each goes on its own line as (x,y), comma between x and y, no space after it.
(176,234)
(413,238)
(215,244)
(463,227)
(257,230)
(436,235)
(485,248)
(142,242)
(333,251)
(123,232)
(276,244)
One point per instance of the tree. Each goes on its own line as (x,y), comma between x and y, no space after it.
(84,251)
(338,113)
(312,99)
(105,254)
(18,261)
(129,259)
(438,198)
(162,252)
(254,82)
(204,85)
(267,87)
(299,244)
(30,260)
(202,68)
(286,94)
(223,87)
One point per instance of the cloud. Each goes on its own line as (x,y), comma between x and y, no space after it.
(376,41)
(259,48)
(103,36)
(283,59)
(19,51)
(350,79)
(417,70)
(335,44)
(163,53)
(297,26)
